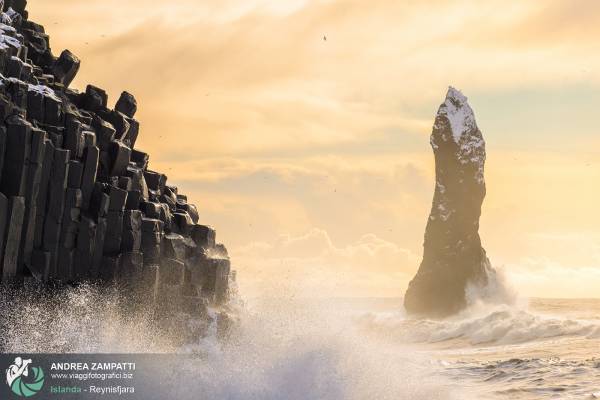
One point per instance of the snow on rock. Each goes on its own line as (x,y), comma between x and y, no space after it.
(8,34)
(6,41)
(455,123)
(458,113)
(44,90)
(11,13)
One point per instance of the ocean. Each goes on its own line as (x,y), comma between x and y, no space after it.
(369,349)
(538,349)
(295,348)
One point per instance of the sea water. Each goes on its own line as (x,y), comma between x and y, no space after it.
(301,348)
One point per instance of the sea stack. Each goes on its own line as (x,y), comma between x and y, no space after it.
(453,257)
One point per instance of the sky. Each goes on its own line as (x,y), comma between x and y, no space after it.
(301,128)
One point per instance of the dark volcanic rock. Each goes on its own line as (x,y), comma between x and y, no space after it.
(65,68)
(452,256)
(95,99)
(78,202)
(127,104)
(12,238)
(119,158)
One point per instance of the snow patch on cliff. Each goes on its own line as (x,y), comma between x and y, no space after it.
(456,120)
(44,91)
(8,34)
(459,114)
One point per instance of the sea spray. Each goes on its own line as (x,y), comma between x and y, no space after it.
(82,319)
(283,348)
(290,348)
(497,290)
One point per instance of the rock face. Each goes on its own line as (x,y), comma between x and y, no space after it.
(78,202)
(453,257)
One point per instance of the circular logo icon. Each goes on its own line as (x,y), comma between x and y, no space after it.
(24,381)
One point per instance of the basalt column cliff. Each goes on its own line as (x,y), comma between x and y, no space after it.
(78,202)
(453,257)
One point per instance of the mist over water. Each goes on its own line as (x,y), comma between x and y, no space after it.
(296,348)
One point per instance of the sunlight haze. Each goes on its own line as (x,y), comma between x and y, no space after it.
(301,128)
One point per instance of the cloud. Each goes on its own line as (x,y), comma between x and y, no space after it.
(311,264)
(254,79)
(347,197)
(272,130)
(558,23)
(543,277)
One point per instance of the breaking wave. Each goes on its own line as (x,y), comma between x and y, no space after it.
(280,348)
(288,350)
(297,349)
(496,325)
(495,315)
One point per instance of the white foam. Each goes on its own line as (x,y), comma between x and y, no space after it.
(282,349)
(288,350)
(491,325)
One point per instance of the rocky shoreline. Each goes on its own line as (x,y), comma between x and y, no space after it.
(78,202)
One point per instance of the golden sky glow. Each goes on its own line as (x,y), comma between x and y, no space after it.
(311,157)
